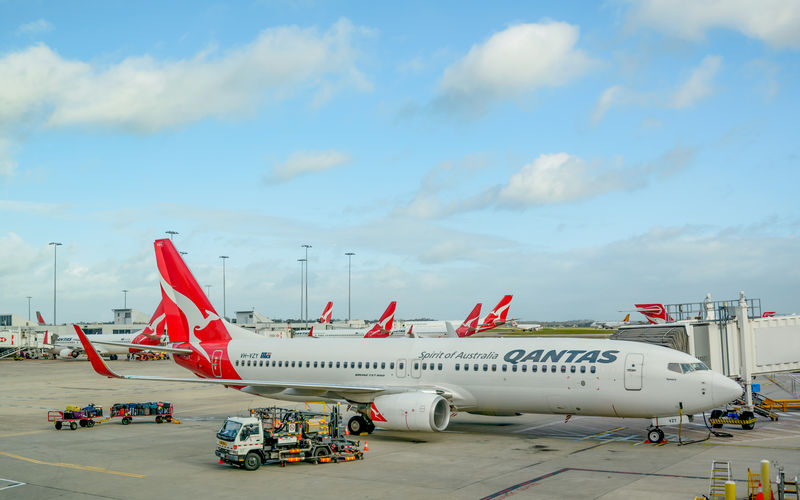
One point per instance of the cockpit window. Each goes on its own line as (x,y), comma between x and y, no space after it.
(675,367)
(699,366)
(686,367)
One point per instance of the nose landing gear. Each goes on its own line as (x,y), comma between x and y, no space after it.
(655,435)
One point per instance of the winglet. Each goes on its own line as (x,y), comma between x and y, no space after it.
(97,362)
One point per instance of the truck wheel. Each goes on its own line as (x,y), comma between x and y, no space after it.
(714,415)
(90,423)
(356,425)
(252,461)
(747,415)
(58,426)
(73,425)
(322,451)
(83,422)
(126,420)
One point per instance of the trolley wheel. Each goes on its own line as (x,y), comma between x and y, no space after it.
(168,418)
(655,435)
(747,415)
(158,419)
(252,461)
(82,422)
(90,423)
(73,425)
(126,420)
(58,426)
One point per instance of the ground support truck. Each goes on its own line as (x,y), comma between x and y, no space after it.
(279,435)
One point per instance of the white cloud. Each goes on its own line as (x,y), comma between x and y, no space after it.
(145,95)
(7,163)
(303,162)
(699,84)
(34,28)
(558,178)
(777,22)
(517,60)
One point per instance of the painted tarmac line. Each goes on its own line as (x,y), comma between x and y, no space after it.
(13,484)
(538,426)
(604,432)
(71,466)
(14,434)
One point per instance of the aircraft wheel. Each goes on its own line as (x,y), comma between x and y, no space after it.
(356,425)
(655,435)
(73,425)
(252,461)
(58,426)
(746,416)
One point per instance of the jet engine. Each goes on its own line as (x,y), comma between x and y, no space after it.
(65,353)
(411,411)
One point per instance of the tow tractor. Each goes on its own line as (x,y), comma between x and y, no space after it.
(281,435)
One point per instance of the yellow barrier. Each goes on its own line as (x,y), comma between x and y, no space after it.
(781,404)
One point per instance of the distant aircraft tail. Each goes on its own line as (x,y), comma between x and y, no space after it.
(327,313)
(154,332)
(655,313)
(40,319)
(411,331)
(627,319)
(470,325)
(498,315)
(383,328)
(768,314)
(190,316)
(311,331)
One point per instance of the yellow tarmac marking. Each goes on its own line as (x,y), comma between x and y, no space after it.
(71,466)
(604,432)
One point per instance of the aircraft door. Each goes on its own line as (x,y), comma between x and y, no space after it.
(401,368)
(415,368)
(633,371)
(216,363)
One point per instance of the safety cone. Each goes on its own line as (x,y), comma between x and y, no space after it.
(346,431)
(221,461)
(366,448)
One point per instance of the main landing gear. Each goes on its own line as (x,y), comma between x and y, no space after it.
(360,424)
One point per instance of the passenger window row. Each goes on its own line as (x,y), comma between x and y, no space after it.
(316,364)
(534,368)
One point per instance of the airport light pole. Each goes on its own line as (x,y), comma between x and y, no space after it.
(349,258)
(306,247)
(171,234)
(29,306)
(302,270)
(124,299)
(224,303)
(55,248)
(208,292)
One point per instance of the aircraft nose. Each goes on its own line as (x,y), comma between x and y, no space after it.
(725,389)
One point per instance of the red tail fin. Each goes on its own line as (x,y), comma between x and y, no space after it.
(383,328)
(39,318)
(470,325)
(498,315)
(655,313)
(190,316)
(311,331)
(327,313)
(152,333)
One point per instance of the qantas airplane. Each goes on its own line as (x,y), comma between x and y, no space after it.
(655,313)
(383,328)
(327,313)
(115,344)
(40,319)
(497,316)
(415,384)
(444,328)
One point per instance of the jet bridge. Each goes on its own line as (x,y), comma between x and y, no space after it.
(730,337)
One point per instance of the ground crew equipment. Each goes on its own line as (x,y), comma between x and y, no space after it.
(160,411)
(73,416)
(282,435)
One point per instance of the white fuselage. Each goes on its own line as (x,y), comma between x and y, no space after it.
(74,343)
(561,375)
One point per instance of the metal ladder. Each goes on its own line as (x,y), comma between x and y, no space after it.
(720,474)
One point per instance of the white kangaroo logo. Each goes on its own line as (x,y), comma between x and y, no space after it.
(195,319)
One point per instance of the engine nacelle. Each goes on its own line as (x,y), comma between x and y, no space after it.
(411,411)
(65,353)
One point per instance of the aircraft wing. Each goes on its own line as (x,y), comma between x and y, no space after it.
(142,347)
(100,367)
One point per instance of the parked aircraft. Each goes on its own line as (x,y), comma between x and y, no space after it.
(383,328)
(115,344)
(415,384)
(445,329)
(40,319)
(526,327)
(497,317)
(327,313)
(612,324)
(655,313)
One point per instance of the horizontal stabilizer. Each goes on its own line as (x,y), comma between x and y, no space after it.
(144,347)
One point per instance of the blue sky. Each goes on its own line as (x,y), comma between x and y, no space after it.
(582,157)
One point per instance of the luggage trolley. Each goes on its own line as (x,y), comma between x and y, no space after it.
(74,416)
(160,411)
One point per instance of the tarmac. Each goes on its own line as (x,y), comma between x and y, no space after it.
(525,457)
